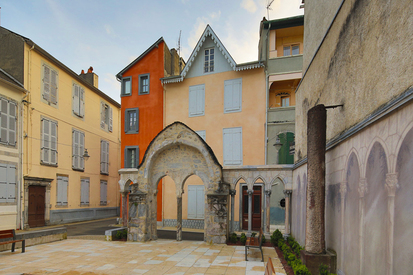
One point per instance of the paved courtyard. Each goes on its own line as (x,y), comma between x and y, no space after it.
(85,256)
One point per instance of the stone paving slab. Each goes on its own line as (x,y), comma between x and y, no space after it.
(90,257)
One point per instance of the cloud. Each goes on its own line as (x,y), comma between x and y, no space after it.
(108,29)
(249,5)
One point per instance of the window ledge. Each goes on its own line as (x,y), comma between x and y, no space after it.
(84,205)
(61,206)
(78,169)
(103,203)
(48,164)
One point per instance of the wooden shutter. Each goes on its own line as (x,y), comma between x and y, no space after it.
(53,87)
(75,101)
(102,156)
(11,183)
(53,143)
(4,118)
(192,202)
(107,158)
(61,195)
(103,192)
(84,192)
(81,150)
(12,124)
(45,141)
(102,115)
(110,119)
(81,102)
(64,190)
(75,149)
(3,182)
(46,83)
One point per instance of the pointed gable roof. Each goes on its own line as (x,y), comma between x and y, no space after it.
(208,32)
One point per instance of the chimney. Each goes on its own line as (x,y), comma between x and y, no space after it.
(90,77)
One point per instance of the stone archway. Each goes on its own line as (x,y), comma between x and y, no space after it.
(177,152)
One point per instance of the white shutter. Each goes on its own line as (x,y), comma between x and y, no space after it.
(75,101)
(45,141)
(110,119)
(75,149)
(4,120)
(191,201)
(53,87)
(46,83)
(227,147)
(103,192)
(192,101)
(81,150)
(102,115)
(59,191)
(53,143)
(237,95)
(200,202)
(64,190)
(12,124)
(11,183)
(81,102)
(3,182)
(232,146)
(232,95)
(228,88)
(200,101)
(84,195)
(107,158)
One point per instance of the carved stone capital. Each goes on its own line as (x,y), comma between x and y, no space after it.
(343,188)
(232,192)
(362,187)
(218,205)
(287,192)
(250,192)
(391,184)
(138,198)
(268,192)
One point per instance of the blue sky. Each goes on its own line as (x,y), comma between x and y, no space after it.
(109,34)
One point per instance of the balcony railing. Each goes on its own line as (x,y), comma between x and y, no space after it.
(285,64)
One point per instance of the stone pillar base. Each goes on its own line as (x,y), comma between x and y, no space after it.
(313,261)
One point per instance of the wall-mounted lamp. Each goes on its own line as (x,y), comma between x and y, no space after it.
(277,144)
(86,155)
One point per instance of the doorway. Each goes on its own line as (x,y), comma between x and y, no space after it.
(256,208)
(36,205)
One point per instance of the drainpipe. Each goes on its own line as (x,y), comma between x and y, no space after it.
(266,94)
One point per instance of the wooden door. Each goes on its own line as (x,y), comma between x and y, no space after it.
(256,208)
(36,205)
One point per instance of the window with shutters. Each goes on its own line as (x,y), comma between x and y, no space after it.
(126,87)
(132,121)
(78,100)
(144,84)
(103,192)
(196,100)
(202,134)
(61,190)
(104,157)
(8,187)
(232,95)
(106,118)
(232,146)
(131,156)
(78,149)
(196,202)
(48,142)
(8,122)
(50,82)
(84,191)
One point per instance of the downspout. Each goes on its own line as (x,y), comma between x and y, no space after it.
(266,94)
(19,220)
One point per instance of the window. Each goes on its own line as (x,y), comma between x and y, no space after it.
(232,146)
(8,122)
(202,134)
(49,85)
(232,95)
(105,117)
(132,121)
(209,60)
(285,101)
(197,100)
(7,183)
(196,202)
(291,50)
(126,88)
(103,192)
(131,156)
(84,191)
(61,192)
(78,148)
(78,100)
(104,157)
(144,84)
(49,142)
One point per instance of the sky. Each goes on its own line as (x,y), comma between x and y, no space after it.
(109,34)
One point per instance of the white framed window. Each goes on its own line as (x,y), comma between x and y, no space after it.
(202,134)
(106,117)
(103,192)
(8,187)
(84,191)
(209,60)
(78,148)
(126,87)
(131,156)
(104,157)
(48,148)
(196,100)
(78,100)
(61,190)
(233,95)
(196,202)
(144,84)
(132,121)
(232,146)
(291,50)
(8,122)
(285,101)
(50,80)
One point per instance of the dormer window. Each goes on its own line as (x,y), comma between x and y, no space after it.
(209,60)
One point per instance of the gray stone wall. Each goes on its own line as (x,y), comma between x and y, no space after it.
(82,214)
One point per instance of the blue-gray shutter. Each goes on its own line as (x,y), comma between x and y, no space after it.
(107,158)
(53,87)
(200,202)
(75,101)
(192,205)
(62,183)
(11,183)
(232,95)
(4,120)
(53,143)
(46,83)
(75,158)
(232,146)
(200,98)
(102,115)
(227,147)
(84,195)
(3,182)
(81,150)
(110,119)
(103,192)
(102,156)
(81,101)
(45,141)
(192,101)
(12,124)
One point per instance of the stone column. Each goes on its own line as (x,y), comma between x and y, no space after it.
(267,206)
(362,191)
(316,147)
(179,220)
(391,186)
(138,217)
(232,193)
(287,194)
(125,208)
(216,218)
(250,192)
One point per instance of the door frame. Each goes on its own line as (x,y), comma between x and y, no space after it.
(29,181)
(240,186)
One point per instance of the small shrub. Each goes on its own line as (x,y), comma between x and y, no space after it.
(122,234)
(243,238)
(276,235)
(233,238)
(253,234)
(323,269)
